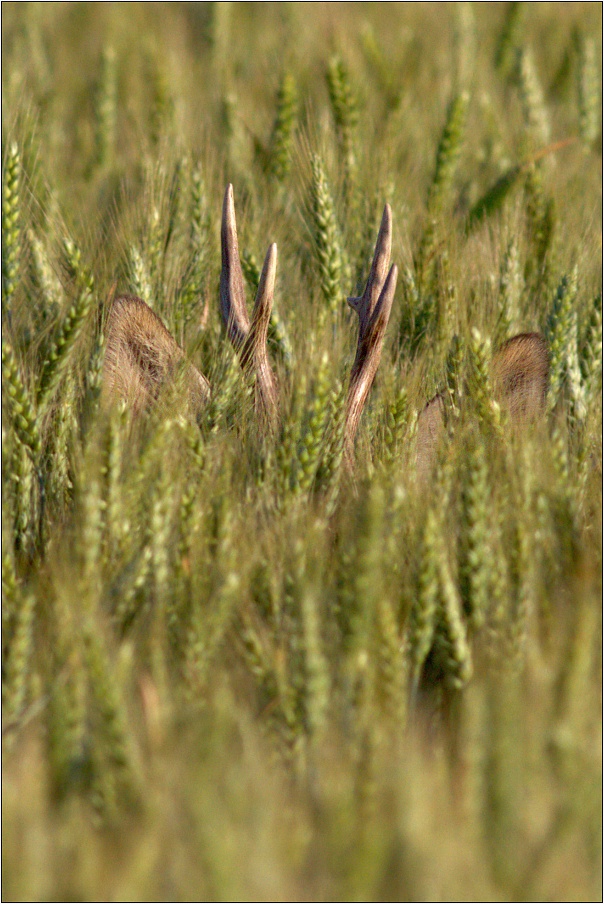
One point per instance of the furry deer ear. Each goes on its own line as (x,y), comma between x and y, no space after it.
(520,376)
(142,357)
(520,370)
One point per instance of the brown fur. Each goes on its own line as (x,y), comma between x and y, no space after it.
(520,371)
(142,357)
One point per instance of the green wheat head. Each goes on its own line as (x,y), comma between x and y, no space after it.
(480,384)
(448,153)
(447,160)
(510,38)
(345,110)
(67,720)
(330,468)
(589,93)
(510,292)
(11,225)
(47,282)
(162,104)
(535,112)
(424,611)
(196,277)
(286,117)
(106,108)
(454,387)
(397,420)
(23,414)
(474,555)
(561,334)
(11,597)
(19,660)
(327,238)
(71,327)
(451,647)
(391,666)
(140,280)
(312,437)
(591,352)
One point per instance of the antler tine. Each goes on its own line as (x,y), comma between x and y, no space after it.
(248,339)
(373,308)
(364,304)
(232,293)
(367,360)
(254,355)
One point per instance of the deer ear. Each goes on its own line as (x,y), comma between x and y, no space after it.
(520,376)
(142,357)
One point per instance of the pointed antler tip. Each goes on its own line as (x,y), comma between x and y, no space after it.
(387,294)
(229,217)
(269,270)
(387,216)
(228,207)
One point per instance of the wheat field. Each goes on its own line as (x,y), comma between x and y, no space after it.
(235,666)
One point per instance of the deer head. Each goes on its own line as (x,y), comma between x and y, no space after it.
(142,357)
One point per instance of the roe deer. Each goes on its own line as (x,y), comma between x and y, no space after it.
(142,356)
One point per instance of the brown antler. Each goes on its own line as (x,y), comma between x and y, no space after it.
(142,355)
(373,308)
(248,339)
(232,293)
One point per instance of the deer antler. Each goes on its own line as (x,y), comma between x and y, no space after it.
(232,293)
(373,308)
(249,340)
(142,355)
